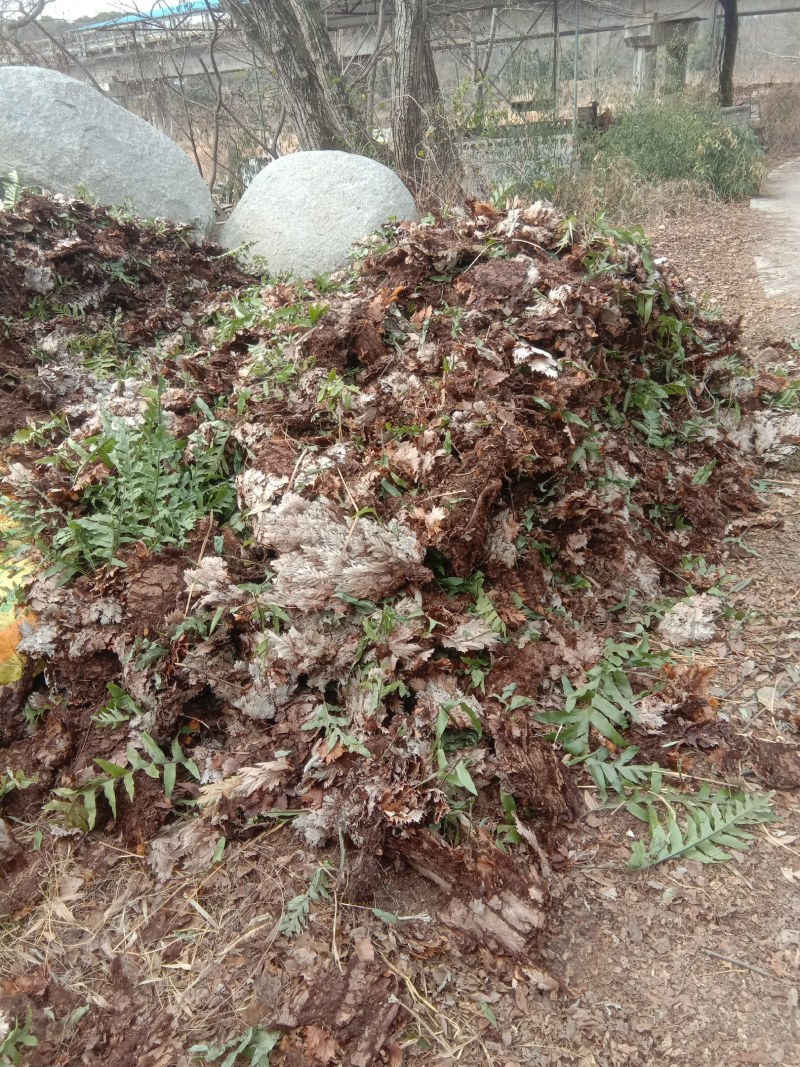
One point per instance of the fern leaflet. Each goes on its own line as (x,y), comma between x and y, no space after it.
(710,830)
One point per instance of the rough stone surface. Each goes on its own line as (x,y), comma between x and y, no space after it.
(303,212)
(58,133)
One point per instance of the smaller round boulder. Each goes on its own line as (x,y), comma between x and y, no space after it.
(303,212)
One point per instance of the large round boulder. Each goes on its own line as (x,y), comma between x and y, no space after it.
(60,134)
(303,212)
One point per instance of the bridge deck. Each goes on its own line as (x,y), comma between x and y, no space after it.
(147,42)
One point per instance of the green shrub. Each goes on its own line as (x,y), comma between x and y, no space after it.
(730,162)
(683,138)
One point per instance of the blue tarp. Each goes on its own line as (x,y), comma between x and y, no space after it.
(160,11)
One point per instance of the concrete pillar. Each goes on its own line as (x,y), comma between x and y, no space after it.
(678,35)
(644,69)
(644,38)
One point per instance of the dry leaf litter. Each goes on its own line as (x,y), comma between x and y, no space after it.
(338,554)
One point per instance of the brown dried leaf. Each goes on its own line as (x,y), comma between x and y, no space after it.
(319,1045)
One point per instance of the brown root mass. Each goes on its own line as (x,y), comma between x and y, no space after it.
(62,261)
(452,471)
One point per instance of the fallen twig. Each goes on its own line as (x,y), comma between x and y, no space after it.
(739,963)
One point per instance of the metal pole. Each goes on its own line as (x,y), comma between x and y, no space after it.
(575,72)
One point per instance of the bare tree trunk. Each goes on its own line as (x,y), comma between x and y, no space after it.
(318,42)
(189,123)
(304,68)
(408,118)
(556,60)
(374,60)
(730,39)
(218,96)
(476,66)
(416,98)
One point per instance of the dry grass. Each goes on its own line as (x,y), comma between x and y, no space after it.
(186,941)
(625,196)
(779,122)
(616,188)
(205,951)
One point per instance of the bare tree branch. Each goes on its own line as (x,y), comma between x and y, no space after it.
(30,16)
(60,47)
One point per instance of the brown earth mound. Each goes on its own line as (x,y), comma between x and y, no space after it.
(326,549)
(124,283)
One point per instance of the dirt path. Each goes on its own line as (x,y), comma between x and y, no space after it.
(744,258)
(778,262)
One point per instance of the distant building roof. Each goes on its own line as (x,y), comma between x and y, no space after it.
(160,11)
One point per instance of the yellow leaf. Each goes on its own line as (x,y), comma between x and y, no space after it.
(11,579)
(11,663)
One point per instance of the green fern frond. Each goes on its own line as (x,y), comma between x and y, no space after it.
(295,915)
(710,830)
(11,189)
(486,611)
(619,775)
